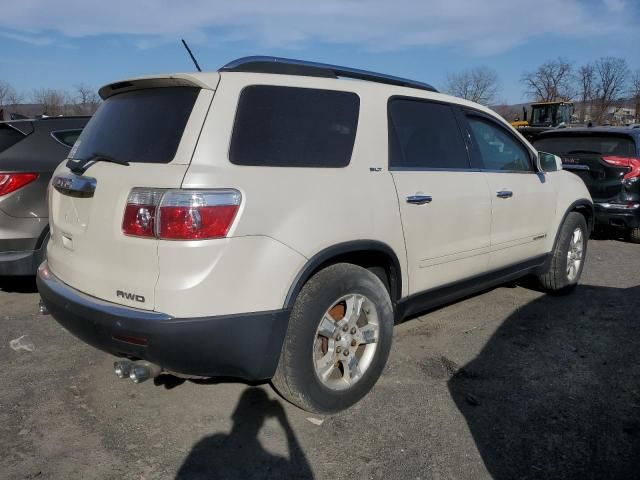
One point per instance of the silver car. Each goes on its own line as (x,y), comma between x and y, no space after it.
(30,150)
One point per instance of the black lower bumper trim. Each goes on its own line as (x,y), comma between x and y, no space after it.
(244,345)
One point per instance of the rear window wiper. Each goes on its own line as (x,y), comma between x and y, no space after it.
(81,165)
(590,152)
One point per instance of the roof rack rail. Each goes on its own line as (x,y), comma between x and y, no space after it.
(288,66)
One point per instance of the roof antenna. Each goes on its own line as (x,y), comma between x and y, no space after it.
(191,55)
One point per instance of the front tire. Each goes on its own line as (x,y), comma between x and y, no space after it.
(568,257)
(338,340)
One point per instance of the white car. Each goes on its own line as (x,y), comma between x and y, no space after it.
(274,219)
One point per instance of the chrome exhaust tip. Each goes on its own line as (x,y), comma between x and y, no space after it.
(142,371)
(122,368)
(42,308)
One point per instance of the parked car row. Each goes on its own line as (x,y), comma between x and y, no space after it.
(272,221)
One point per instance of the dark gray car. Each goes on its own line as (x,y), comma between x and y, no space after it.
(608,161)
(30,150)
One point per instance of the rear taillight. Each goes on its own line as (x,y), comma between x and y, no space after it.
(632,163)
(10,182)
(140,213)
(180,214)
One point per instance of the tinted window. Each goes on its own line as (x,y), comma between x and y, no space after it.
(68,137)
(574,144)
(141,126)
(294,127)
(9,137)
(425,135)
(499,149)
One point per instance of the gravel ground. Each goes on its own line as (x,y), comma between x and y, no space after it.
(511,383)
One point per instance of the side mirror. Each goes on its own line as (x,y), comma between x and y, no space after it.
(548,162)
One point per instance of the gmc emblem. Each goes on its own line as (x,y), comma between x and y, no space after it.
(130,296)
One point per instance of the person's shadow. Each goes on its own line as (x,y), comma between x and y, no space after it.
(555,392)
(239,455)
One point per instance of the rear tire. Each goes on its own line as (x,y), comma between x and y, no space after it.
(338,340)
(634,235)
(568,256)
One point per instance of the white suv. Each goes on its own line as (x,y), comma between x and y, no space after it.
(272,220)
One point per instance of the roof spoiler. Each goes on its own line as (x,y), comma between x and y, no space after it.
(181,80)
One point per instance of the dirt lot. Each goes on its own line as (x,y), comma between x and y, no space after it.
(507,384)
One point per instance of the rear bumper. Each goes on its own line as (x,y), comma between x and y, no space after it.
(19,263)
(22,244)
(612,214)
(242,345)
(22,262)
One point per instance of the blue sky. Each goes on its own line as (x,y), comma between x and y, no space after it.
(45,46)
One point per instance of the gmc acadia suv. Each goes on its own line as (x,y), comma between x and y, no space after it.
(272,220)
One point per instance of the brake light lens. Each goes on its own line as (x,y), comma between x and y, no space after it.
(140,213)
(180,214)
(632,163)
(10,182)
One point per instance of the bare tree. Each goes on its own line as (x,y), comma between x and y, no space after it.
(86,100)
(14,97)
(635,93)
(10,100)
(551,82)
(586,79)
(54,102)
(5,89)
(478,84)
(611,79)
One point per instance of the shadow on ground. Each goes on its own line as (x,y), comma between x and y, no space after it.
(18,284)
(542,400)
(239,454)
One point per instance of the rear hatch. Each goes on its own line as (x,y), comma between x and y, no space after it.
(600,159)
(142,137)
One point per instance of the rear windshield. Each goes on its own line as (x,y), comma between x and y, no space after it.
(141,126)
(294,127)
(575,145)
(8,137)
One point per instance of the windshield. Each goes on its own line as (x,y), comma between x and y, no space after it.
(573,144)
(140,126)
(544,114)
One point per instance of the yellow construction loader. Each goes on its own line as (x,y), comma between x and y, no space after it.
(544,116)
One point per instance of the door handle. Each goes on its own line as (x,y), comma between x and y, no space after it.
(419,199)
(504,194)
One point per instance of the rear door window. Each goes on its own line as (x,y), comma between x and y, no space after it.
(143,126)
(425,135)
(294,127)
(67,137)
(500,151)
(588,144)
(9,137)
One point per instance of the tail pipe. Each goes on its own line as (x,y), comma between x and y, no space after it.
(138,372)
(42,308)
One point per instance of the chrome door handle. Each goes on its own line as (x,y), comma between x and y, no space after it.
(419,199)
(504,194)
